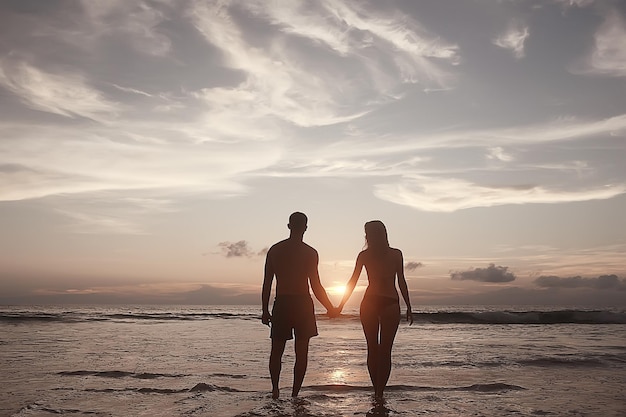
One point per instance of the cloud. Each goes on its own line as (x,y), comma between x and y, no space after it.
(195,142)
(548,260)
(608,56)
(498,153)
(109,213)
(132,90)
(315,65)
(87,223)
(577,3)
(275,86)
(115,159)
(603,282)
(281,89)
(216,294)
(412,266)
(559,129)
(452,194)
(490,274)
(530,297)
(236,249)
(368,154)
(142,293)
(63,94)
(87,26)
(404,173)
(513,39)
(136,22)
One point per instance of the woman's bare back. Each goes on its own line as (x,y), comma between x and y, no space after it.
(382,268)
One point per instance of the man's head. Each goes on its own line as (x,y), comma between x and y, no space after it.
(297,222)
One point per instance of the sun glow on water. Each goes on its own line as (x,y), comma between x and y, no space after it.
(338,376)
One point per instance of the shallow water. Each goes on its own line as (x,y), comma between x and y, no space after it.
(212,361)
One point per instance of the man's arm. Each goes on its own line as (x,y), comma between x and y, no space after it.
(318,289)
(268,277)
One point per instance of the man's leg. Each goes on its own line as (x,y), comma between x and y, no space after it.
(299,369)
(276,357)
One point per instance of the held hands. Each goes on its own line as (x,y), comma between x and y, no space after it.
(334,312)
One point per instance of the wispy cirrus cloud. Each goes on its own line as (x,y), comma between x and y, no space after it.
(107,213)
(275,86)
(91,223)
(369,149)
(283,83)
(63,94)
(135,22)
(111,158)
(452,194)
(405,172)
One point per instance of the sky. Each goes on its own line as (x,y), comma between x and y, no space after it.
(152,151)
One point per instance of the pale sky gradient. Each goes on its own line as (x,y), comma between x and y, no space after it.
(151,151)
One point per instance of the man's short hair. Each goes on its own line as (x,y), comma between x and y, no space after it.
(298,220)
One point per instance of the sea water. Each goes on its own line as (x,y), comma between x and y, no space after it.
(213,361)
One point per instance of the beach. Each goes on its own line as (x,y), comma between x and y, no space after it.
(212,361)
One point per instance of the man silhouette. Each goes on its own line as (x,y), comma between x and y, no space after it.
(294,263)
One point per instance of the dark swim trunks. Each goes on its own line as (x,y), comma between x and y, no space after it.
(293,314)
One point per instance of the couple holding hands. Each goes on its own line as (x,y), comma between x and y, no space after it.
(295,266)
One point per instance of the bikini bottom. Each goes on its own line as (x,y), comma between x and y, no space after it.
(378,303)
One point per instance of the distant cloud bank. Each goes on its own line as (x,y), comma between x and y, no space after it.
(603,282)
(492,273)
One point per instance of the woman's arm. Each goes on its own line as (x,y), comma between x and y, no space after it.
(352,281)
(404,289)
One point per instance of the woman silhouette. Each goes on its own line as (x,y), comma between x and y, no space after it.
(380,308)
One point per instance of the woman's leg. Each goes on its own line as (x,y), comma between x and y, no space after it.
(389,322)
(369,321)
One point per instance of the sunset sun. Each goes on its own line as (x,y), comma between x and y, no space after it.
(337,290)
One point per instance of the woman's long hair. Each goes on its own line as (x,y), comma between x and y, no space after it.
(376,236)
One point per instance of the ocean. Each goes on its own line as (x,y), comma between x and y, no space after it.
(213,361)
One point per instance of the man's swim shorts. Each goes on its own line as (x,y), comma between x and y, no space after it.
(293,314)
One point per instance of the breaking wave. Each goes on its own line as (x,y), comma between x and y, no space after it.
(572,316)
